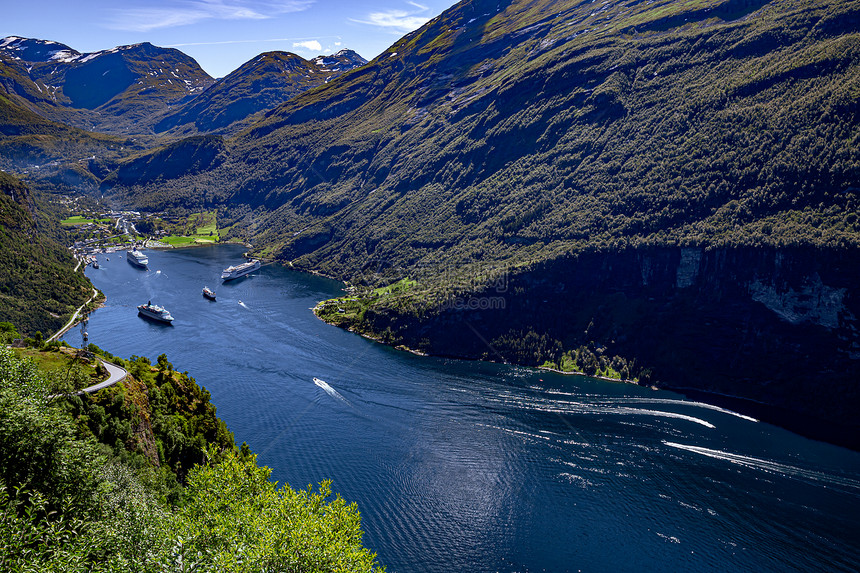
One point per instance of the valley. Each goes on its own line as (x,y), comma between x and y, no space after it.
(676,181)
(594,268)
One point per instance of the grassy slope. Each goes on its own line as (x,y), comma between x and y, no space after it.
(258,85)
(27,140)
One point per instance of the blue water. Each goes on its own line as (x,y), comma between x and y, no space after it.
(469,466)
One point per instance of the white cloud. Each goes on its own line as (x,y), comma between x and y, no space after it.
(311,45)
(399,20)
(186,12)
(254,41)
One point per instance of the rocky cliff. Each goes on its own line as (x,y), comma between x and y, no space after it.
(775,327)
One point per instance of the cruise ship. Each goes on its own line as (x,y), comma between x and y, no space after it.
(135,257)
(155,312)
(237,271)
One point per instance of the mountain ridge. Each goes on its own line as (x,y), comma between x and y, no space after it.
(262,83)
(108,90)
(144,91)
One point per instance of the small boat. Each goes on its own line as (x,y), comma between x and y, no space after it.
(209,293)
(155,312)
(95,264)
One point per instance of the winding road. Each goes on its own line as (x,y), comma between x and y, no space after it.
(74,317)
(115,375)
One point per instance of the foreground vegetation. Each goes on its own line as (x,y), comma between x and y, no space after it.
(144,477)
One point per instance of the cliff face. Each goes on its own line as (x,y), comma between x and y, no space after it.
(779,327)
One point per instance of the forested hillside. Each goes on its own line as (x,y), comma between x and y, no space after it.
(708,148)
(39,289)
(521,131)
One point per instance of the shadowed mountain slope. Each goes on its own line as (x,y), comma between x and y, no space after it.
(39,289)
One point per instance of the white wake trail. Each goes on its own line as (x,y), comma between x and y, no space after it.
(770,466)
(684,403)
(661,414)
(329,390)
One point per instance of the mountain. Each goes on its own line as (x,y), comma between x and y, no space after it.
(67,158)
(620,166)
(338,63)
(521,131)
(118,91)
(34,50)
(261,84)
(39,289)
(141,89)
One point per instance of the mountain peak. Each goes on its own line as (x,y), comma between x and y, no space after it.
(34,50)
(342,61)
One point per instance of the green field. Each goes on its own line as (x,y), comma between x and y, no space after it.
(196,229)
(184,241)
(76,220)
(82,220)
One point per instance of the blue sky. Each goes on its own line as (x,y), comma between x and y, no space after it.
(222,34)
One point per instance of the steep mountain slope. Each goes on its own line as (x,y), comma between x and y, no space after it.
(38,288)
(523,130)
(261,84)
(623,169)
(121,90)
(30,141)
(35,50)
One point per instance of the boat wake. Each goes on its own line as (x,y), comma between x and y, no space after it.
(684,403)
(662,414)
(329,390)
(813,476)
(620,407)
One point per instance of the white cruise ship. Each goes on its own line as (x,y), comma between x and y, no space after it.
(135,257)
(155,312)
(234,272)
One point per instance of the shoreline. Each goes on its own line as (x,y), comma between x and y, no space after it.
(577,373)
(162,246)
(798,423)
(777,416)
(77,314)
(405,348)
